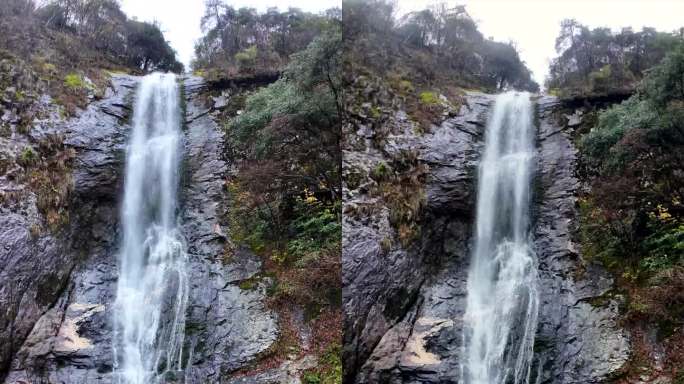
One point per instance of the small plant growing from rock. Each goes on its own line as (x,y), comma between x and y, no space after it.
(28,157)
(402,187)
(246,57)
(74,81)
(34,231)
(386,244)
(381,172)
(429,98)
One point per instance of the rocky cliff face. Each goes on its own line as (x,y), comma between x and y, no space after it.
(578,340)
(404,305)
(227,327)
(58,288)
(58,285)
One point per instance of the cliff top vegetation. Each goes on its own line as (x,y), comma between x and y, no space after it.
(632,214)
(245,42)
(600,62)
(283,139)
(62,47)
(434,46)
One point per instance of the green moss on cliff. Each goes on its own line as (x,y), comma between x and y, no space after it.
(329,370)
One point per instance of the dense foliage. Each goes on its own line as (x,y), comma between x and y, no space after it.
(635,156)
(246,41)
(459,46)
(632,220)
(446,42)
(599,61)
(285,190)
(64,49)
(418,66)
(288,139)
(94,28)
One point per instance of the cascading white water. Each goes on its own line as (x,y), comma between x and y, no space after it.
(503,302)
(152,290)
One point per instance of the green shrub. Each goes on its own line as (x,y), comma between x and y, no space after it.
(429,98)
(329,370)
(601,149)
(248,226)
(317,229)
(49,68)
(403,86)
(665,248)
(28,157)
(333,365)
(75,81)
(632,219)
(248,284)
(381,172)
(246,57)
(386,244)
(311,378)
(406,86)
(376,112)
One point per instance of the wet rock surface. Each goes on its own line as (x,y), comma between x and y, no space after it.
(577,338)
(289,372)
(60,332)
(404,307)
(60,329)
(227,327)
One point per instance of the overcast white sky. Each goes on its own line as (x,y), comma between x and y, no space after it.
(532,24)
(180,19)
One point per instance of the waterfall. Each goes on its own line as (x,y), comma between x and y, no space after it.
(152,290)
(503,302)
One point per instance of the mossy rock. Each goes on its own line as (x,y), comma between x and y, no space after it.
(28,157)
(75,81)
(329,370)
(429,98)
(354,178)
(381,172)
(386,244)
(249,284)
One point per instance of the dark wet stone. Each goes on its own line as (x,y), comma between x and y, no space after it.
(62,323)
(228,326)
(399,304)
(72,278)
(577,341)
